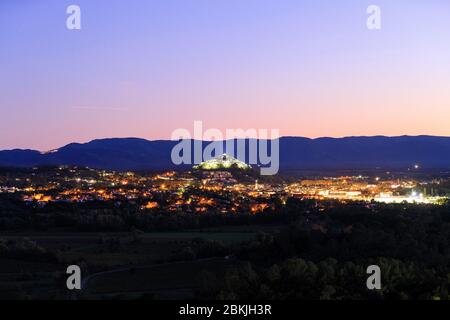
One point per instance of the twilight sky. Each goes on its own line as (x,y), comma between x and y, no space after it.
(144,68)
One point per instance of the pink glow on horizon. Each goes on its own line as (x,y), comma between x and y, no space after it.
(305,68)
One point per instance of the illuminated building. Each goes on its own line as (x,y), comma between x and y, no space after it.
(222,162)
(152,205)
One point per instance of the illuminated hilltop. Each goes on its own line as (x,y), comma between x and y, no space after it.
(396,154)
(224,161)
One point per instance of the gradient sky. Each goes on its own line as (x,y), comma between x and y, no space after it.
(144,68)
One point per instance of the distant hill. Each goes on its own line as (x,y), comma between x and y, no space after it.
(223,161)
(296,153)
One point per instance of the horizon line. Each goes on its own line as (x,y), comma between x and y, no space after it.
(244,138)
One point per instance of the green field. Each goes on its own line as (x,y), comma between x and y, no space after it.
(149,262)
(168,281)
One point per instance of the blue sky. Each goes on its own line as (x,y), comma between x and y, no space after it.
(145,68)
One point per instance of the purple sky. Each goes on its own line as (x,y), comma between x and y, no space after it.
(144,68)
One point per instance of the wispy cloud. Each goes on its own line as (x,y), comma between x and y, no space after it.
(99,108)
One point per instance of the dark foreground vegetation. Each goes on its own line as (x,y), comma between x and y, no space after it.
(301,249)
(325,256)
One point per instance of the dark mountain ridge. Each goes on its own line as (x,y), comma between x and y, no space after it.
(296,153)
